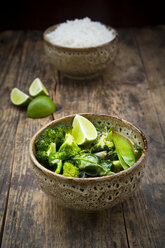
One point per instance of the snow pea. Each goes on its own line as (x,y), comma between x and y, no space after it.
(124,150)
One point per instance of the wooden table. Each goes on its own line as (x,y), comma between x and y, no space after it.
(132,88)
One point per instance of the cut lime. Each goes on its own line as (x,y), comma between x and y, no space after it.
(40,106)
(37,88)
(19,98)
(83,130)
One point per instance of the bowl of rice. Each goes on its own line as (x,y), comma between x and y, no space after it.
(81,48)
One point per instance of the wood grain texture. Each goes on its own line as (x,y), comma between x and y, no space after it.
(28,69)
(8,117)
(145,216)
(127,89)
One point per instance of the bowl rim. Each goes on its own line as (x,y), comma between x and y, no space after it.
(61,177)
(78,49)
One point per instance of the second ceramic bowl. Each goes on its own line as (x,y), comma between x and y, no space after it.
(81,63)
(91,194)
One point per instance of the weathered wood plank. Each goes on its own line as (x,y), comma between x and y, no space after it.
(10,61)
(129,96)
(74,96)
(33,219)
(21,71)
(151,43)
(144,213)
(51,226)
(8,43)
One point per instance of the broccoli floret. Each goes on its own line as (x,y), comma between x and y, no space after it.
(112,154)
(55,157)
(43,142)
(68,149)
(59,167)
(60,132)
(69,146)
(63,129)
(43,156)
(102,144)
(69,170)
(55,160)
(51,149)
(55,135)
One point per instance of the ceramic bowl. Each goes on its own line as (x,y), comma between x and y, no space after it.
(81,63)
(91,194)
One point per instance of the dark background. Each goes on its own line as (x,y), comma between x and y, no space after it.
(31,14)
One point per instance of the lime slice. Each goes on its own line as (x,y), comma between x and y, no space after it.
(40,106)
(37,88)
(19,98)
(83,130)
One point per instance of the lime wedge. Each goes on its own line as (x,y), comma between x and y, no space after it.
(83,130)
(19,98)
(40,106)
(37,88)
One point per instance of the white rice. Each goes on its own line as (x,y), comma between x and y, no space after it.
(80,33)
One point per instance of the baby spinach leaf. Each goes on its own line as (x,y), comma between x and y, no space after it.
(85,159)
(95,170)
(91,165)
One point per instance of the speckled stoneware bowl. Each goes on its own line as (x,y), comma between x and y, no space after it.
(91,194)
(81,63)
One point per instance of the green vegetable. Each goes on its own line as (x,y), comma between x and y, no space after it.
(55,135)
(59,167)
(124,150)
(69,170)
(55,161)
(102,144)
(102,154)
(112,154)
(116,166)
(55,157)
(91,165)
(43,142)
(108,154)
(60,134)
(43,156)
(69,146)
(83,160)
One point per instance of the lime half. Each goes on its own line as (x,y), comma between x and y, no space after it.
(40,106)
(83,130)
(37,88)
(19,98)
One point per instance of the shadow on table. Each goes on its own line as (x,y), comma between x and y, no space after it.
(81,229)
